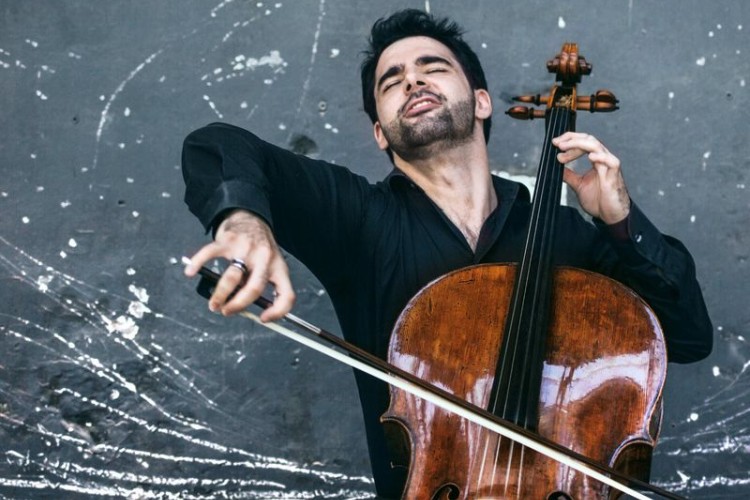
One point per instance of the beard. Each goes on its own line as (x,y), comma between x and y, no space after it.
(448,127)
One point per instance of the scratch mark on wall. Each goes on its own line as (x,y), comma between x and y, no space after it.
(311,65)
(105,115)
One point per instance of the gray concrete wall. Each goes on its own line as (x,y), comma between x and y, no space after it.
(116,381)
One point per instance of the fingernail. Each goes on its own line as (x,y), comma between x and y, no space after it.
(212,307)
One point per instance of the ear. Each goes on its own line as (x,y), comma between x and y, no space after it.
(483,106)
(377,131)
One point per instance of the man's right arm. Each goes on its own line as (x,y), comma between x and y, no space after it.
(251,194)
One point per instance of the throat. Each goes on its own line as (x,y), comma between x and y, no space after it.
(469,224)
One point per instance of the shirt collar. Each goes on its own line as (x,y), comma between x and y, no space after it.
(506,190)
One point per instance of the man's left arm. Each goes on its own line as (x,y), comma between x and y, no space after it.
(657,267)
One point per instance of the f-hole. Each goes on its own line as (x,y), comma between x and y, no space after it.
(559,495)
(447,492)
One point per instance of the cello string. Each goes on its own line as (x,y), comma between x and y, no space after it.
(543,204)
(522,294)
(542,277)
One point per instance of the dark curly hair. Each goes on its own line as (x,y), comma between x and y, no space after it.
(412,22)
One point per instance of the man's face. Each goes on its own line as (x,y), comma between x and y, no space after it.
(423,99)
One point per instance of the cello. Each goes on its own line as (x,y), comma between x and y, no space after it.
(568,354)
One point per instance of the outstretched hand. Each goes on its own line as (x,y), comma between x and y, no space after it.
(246,237)
(601,190)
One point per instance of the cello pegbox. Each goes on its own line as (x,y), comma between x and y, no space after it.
(568,65)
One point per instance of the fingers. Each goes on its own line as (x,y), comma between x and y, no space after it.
(573,145)
(247,238)
(284,296)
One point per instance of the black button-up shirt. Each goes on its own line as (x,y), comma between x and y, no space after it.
(373,246)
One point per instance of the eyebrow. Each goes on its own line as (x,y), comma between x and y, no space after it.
(421,61)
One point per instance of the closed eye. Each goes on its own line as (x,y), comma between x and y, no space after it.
(389,85)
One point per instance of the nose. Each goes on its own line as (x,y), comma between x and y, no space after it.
(413,81)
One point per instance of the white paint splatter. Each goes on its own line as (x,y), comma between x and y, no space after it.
(25,219)
(41,95)
(65,204)
(126,111)
(716,371)
(335,53)
(32,43)
(130,271)
(243,105)
(273,60)
(135,214)
(212,106)
(693,417)
(43,282)
(124,325)
(707,155)
(114,395)
(165,195)
(692,218)
(701,61)
(219,7)
(140,293)
(63,254)
(72,243)
(39,189)
(561,22)
(138,309)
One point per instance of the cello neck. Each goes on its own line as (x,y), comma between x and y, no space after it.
(519,371)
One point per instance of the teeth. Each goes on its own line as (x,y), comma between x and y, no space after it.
(421,104)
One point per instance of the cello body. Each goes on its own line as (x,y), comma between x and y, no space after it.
(600,392)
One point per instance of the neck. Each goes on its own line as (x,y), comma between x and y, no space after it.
(458,180)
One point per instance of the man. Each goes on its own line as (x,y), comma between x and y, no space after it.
(374,246)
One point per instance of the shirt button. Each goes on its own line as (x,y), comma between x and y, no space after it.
(638,237)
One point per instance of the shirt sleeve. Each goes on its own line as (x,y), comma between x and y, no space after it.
(661,270)
(303,200)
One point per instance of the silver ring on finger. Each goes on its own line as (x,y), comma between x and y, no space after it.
(240,264)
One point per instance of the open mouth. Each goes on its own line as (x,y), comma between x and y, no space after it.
(421,104)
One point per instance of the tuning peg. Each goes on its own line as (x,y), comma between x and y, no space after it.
(524,113)
(537,100)
(602,101)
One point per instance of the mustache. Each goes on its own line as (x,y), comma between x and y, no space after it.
(418,95)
